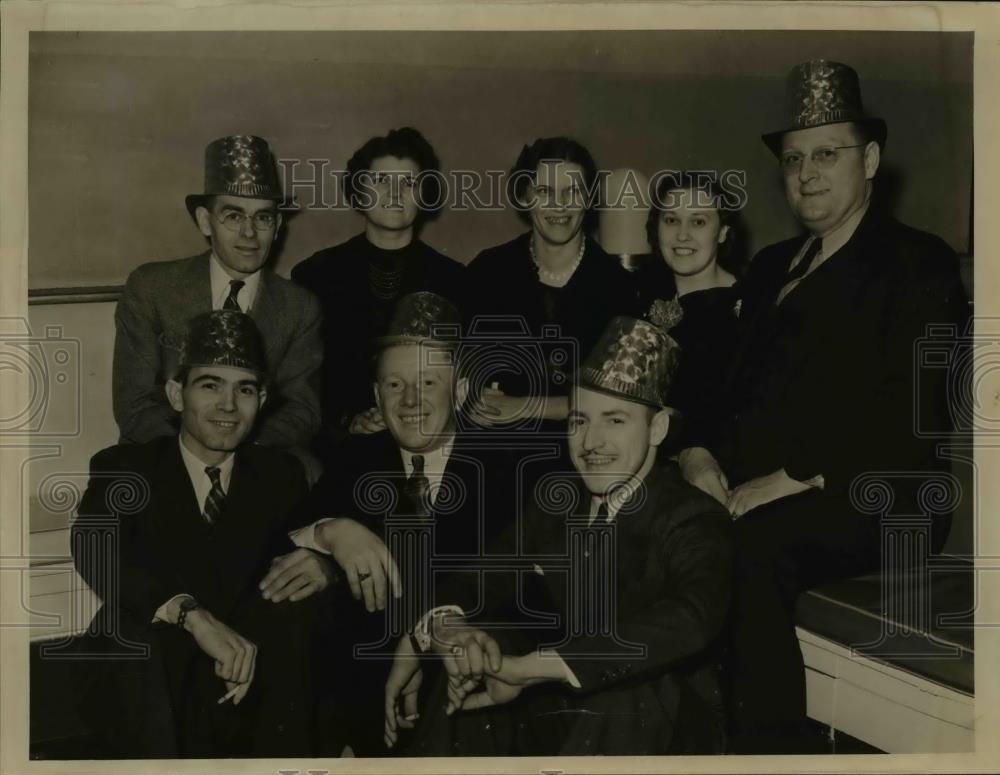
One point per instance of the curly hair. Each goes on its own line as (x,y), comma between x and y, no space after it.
(729,256)
(403,143)
(552,149)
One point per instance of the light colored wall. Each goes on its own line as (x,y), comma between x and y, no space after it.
(119,122)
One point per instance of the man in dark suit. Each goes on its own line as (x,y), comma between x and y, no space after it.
(399,500)
(628,561)
(238,215)
(824,390)
(174,535)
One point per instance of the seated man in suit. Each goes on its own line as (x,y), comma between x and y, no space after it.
(238,215)
(635,571)
(403,498)
(174,536)
(824,391)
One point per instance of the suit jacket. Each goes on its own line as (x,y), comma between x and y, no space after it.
(828,382)
(639,647)
(159,300)
(475,503)
(139,539)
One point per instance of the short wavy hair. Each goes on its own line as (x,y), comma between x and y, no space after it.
(729,256)
(553,149)
(403,143)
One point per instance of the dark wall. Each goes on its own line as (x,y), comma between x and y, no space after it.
(119,121)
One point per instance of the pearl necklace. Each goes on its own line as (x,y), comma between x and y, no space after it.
(556,279)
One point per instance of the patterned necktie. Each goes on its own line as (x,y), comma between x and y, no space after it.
(800,269)
(216,496)
(234,292)
(418,487)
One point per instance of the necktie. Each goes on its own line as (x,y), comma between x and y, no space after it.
(234,291)
(600,518)
(800,269)
(216,496)
(417,488)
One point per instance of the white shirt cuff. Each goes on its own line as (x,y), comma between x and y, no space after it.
(305,537)
(161,612)
(422,632)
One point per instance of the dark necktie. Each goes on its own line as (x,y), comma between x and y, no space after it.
(216,496)
(799,270)
(234,292)
(600,518)
(418,487)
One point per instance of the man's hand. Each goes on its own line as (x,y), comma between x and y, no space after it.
(365,559)
(507,683)
(368,421)
(296,576)
(403,684)
(763,489)
(700,468)
(466,651)
(495,407)
(235,657)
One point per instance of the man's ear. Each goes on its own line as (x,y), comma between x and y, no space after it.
(461,392)
(261,397)
(378,398)
(175,394)
(873,156)
(201,216)
(658,427)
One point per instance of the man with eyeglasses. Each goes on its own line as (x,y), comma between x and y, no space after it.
(823,391)
(238,214)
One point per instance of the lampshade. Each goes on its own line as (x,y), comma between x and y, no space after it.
(624,208)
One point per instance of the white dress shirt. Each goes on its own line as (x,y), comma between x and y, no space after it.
(220,286)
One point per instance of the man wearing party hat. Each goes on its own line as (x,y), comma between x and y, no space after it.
(824,390)
(634,570)
(174,535)
(395,501)
(238,214)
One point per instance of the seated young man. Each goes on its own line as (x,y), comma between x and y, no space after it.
(174,536)
(635,572)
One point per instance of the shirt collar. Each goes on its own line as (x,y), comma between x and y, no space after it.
(196,467)
(622,494)
(220,280)
(435,460)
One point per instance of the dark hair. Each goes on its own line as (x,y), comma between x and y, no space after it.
(729,256)
(403,143)
(552,149)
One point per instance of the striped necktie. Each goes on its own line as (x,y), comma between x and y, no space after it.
(418,487)
(216,499)
(796,273)
(234,292)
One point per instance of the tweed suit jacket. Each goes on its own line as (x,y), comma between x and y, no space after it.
(159,300)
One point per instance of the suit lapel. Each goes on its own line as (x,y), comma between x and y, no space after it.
(266,311)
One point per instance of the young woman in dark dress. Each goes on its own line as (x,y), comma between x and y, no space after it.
(693,278)
(359,281)
(546,296)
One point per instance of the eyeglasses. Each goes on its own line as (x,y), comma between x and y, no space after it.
(824,158)
(265,220)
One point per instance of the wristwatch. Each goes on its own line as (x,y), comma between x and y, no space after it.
(187,606)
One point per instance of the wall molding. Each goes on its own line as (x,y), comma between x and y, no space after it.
(81,295)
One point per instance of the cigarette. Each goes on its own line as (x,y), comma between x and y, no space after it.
(228,695)
(411,717)
(494,386)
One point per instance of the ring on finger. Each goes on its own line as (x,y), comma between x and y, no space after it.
(364,575)
(456,649)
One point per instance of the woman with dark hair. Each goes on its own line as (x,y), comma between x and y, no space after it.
(546,296)
(394,182)
(691,286)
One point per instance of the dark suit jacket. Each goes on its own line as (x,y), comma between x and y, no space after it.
(639,646)
(476,501)
(139,539)
(150,320)
(829,382)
